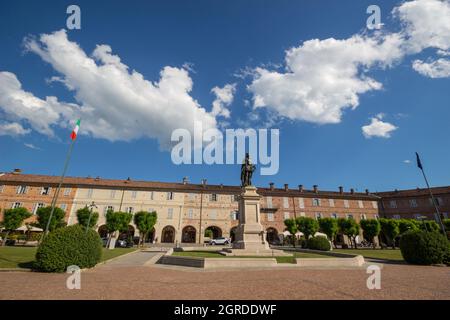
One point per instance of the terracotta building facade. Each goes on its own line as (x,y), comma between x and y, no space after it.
(186,210)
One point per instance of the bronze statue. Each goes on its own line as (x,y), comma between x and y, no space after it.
(247,169)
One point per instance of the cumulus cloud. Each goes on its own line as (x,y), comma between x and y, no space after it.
(12,129)
(115,103)
(378,128)
(224,97)
(439,68)
(322,78)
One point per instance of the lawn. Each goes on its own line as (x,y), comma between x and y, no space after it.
(23,257)
(213,254)
(384,254)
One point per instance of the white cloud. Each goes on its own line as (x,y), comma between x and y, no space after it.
(31,146)
(439,68)
(322,78)
(12,129)
(407,161)
(378,128)
(115,103)
(224,97)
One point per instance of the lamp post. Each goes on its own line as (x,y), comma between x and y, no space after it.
(91,206)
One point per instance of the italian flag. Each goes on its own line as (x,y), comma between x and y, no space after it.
(74,133)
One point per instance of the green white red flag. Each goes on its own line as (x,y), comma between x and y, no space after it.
(74,133)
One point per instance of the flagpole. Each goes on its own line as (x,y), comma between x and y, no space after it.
(431,194)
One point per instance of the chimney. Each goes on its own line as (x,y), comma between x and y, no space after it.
(300,187)
(352,191)
(128,180)
(341,189)
(185,180)
(17,171)
(221,186)
(271,185)
(315,188)
(97,178)
(367,191)
(204,181)
(286,187)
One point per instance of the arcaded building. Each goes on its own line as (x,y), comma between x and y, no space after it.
(186,210)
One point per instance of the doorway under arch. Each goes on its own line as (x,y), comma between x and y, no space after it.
(103,231)
(168,234)
(188,234)
(216,232)
(233,234)
(272,235)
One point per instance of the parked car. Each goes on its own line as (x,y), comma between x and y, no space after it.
(218,241)
(121,243)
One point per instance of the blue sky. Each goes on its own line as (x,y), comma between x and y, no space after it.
(224,42)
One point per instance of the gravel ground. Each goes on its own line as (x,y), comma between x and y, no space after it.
(122,281)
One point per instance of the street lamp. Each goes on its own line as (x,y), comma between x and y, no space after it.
(91,207)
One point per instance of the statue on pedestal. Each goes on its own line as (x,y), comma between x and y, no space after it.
(247,169)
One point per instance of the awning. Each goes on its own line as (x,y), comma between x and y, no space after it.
(24,228)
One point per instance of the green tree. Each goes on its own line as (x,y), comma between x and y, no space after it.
(83,217)
(308,226)
(117,221)
(209,233)
(408,224)
(429,225)
(390,229)
(43,215)
(291,226)
(446,223)
(371,229)
(329,226)
(145,221)
(350,228)
(13,219)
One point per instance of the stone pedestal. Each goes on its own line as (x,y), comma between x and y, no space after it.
(250,237)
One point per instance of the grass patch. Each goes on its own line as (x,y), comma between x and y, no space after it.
(215,254)
(384,254)
(23,257)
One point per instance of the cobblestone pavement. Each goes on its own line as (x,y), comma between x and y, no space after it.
(163,282)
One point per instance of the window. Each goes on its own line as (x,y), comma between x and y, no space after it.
(301,203)
(287,215)
(269,202)
(360,204)
(234,215)
(374,204)
(334,215)
(445,214)
(190,213)
(37,206)
(130,209)
(302,214)
(63,206)
(152,195)
(67,191)
(170,213)
(285,202)
(439,201)
(22,189)
(236,197)
(396,216)
(213,215)
(16,205)
(318,215)
(331,201)
(89,193)
(133,194)
(191,196)
(1,188)
(213,197)
(316,202)
(112,195)
(413,203)
(270,217)
(346,204)
(393,204)
(45,191)
(349,216)
(362,216)
(169,195)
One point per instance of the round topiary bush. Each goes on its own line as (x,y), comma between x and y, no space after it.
(425,248)
(318,243)
(68,246)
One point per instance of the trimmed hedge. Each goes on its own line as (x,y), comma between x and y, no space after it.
(318,243)
(424,248)
(68,246)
